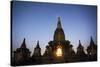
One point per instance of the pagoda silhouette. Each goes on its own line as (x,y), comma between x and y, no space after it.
(59,50)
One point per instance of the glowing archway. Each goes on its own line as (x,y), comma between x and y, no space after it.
(59,51)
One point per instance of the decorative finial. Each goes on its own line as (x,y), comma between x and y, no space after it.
(80,46)
(91,38)
(24,39)
(23,44)
(91,42)
(79,42)
(37,46)
(59,23)
(58,18)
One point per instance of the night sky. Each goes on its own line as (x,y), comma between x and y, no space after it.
(38,21)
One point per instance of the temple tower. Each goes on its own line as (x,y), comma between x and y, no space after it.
(81,55)
(37,54)
(92,50)
(22,54)
(59,33)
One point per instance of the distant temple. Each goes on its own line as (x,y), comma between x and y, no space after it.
(92,51)
(21,55)
(57,51)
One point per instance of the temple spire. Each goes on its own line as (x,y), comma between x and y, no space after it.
(23,44)
(37,46)
(59,33)
(80,46)
(37,51)
(79,42)
(91,42)
(59,23)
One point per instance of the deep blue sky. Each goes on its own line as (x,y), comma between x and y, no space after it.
(38,21)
